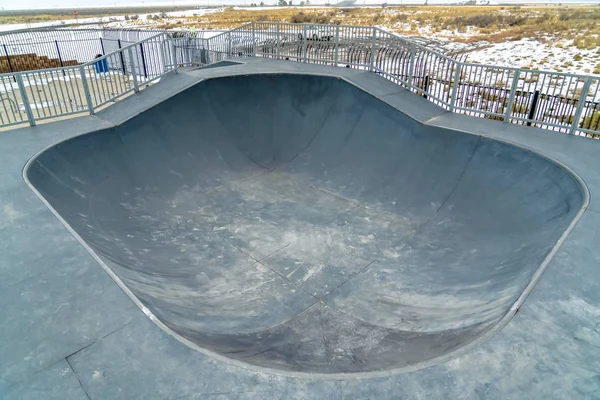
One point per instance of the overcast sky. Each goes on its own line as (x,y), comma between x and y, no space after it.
(74,4)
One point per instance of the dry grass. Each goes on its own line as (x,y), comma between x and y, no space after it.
(34,16)
(580,24)
(32,19)
(591,121)
(490,23)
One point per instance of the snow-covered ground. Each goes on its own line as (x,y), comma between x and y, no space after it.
(550,54)
(559,56)
(116,20)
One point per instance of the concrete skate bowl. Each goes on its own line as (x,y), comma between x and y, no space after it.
(297,223)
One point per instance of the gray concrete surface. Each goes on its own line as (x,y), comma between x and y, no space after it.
(295,222)
(111,350)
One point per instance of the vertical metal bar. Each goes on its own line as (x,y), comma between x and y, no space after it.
(426,86)
(25,99)
(10,92)
(94,91)
(8,116)
(121,56)
(86,90)
(208,51)
(253,40)
(229,55)
(337,45)
(581,105)
(174,54)
(8,58)
(53,100)
(45,100)
(136,87)
(511,96)
(36,101)
(143,61)
(102,47)
(411,69)
(62,93)
(111,85)
(69,85)
(278,41)
(372,60)
(163,56)
(304,56)
(54,85)
(456,82)
(152,57)
(533,107)
(58,53)
(155,59)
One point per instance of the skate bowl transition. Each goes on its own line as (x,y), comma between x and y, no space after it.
(296,223)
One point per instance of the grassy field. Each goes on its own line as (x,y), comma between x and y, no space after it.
(41,15)
(461,23)
(568,33)
(575,28)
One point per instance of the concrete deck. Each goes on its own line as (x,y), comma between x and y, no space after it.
(70,332)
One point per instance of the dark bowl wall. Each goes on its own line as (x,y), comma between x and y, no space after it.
(411,240)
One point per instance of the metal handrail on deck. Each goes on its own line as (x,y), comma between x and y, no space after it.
(58,92)
(564,102)
(568,103)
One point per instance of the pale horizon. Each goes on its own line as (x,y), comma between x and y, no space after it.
(24,5)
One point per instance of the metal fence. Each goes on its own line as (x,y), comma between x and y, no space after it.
(53,48)
(552,100)
(563,102)
(32,96)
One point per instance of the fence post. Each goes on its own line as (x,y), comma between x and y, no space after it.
(8,58)
(207,51)
(278,39)
(455,84)
(253,40)
(304,56)
(143,60)
(533,107)
(58,53)
(121,56)
(86,90)
(25,99)
(102,47)
(229,55)
(511,96)
(173,53)
(136,87)
(337,44)
(411,70)
(372,60)
(161,44)
(581,105)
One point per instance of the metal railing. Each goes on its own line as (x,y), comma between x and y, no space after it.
(568,103)
(45,47)
(31,96)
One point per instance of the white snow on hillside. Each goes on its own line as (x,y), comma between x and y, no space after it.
(550,55)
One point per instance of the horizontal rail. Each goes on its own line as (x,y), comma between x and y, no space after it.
(37,95)
(559,101)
